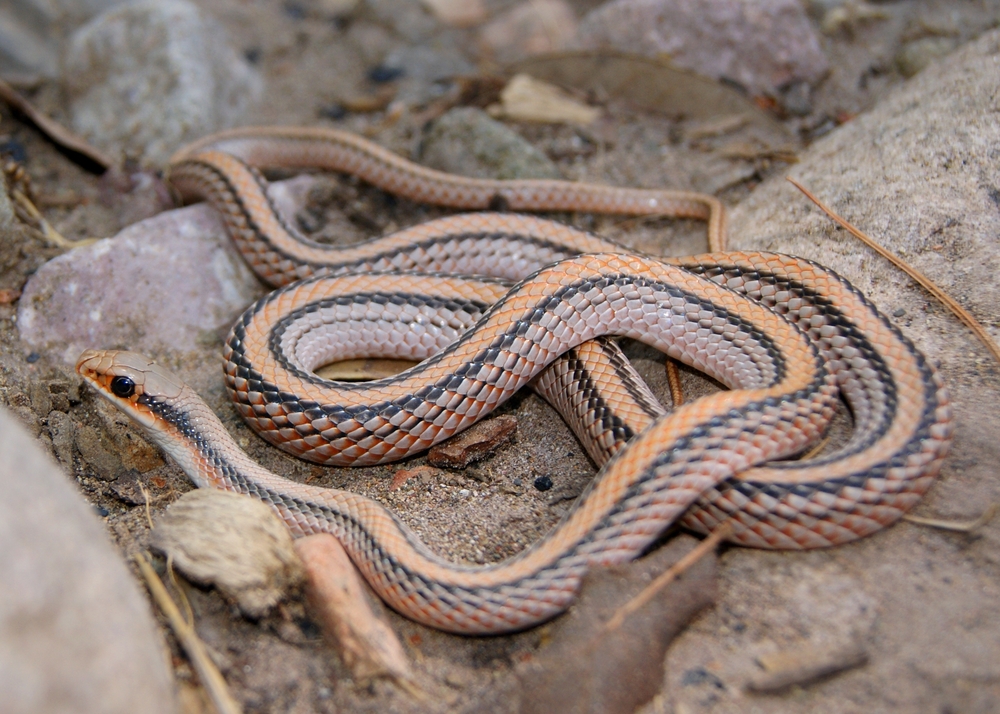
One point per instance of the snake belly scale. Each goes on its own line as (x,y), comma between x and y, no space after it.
(707,462)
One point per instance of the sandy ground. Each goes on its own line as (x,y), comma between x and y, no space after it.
(492,510)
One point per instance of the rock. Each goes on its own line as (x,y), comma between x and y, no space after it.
(529,28)
(30,35)
(28,50)
(62,431)
(165,286)
(760,44)
(918,174)
(8,219)
(475,443)
(413,21)
(75,633)
(367,645)
(467,141)
(423,70)
(589,667)
(144,78)
(234,542)
(98,452)
(914,56)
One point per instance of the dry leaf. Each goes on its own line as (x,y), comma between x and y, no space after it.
(528,99)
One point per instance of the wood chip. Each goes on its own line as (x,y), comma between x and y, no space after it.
(424,473)
(475,443)
(9,295)
(531,100)
(367,645)
(803,665)
(458,13)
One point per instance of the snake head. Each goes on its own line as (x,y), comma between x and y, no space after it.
(130,381)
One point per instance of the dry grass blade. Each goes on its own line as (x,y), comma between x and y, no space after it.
(671,574)
(208,673)
(48,232)
(957,526)
(960,312)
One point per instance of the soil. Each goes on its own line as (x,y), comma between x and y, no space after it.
(491,509)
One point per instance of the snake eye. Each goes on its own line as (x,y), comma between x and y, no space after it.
(122,387)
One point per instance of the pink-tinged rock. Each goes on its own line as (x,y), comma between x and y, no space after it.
(761,44)
(164,285)
(76,635)
(527,29)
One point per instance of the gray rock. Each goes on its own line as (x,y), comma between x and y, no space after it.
(75,634)
(917,173)
(529,28)
(62,431)
(165,285)
(423,71)
(8,219)
(145,78)
(762,44)
(98,453)
(914,56)
(412,21)
(467,141)
(30,34)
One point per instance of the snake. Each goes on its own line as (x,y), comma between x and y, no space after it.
(784,334)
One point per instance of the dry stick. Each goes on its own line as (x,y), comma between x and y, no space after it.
(667,577)
(52,129)
(208,673)
(960,312)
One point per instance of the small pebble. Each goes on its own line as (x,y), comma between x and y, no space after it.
(898,312)
(102,511)
(33,357)
(15,150)
(518,482)
(543,483)
(381,74)
(332,111)
(464,492)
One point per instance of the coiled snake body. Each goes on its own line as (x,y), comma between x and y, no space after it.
(782,333)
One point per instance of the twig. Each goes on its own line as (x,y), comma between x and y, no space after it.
(667,577)
(51,234)
(52,129)
(960,312)
(674,382)
(957,526)
(208,673)
(814,451)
